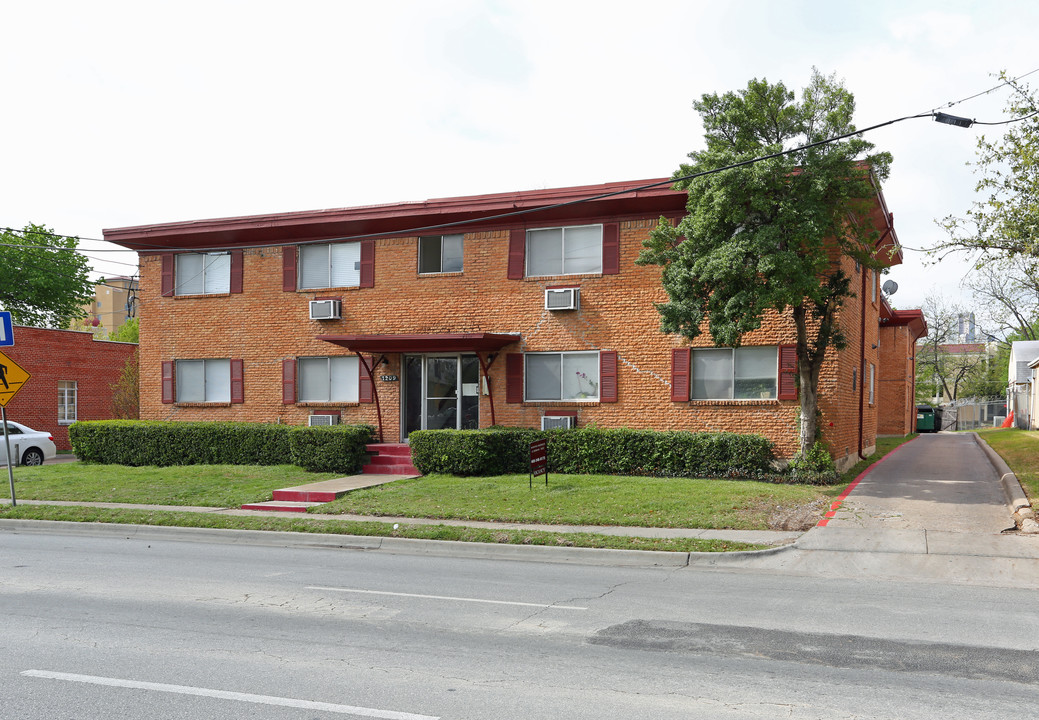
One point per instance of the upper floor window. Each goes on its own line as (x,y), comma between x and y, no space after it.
(328,379)
(564,251)
(66,402)
(734,373)
(440,254)
(203,274)
(203,381)
(328,266)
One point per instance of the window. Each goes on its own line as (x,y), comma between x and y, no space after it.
(564,251)
(328,379)
(872,381)
(734,373)
(204,381)
(203,273)
(875,284)
(66,402)
(561,376)
(440,254)
(327,266)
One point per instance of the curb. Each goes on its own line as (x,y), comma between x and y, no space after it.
(1012,489)
(1015,496)
(401,546)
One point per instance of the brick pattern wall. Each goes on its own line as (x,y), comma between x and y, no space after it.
(264,325)
(897,382)
(51,356)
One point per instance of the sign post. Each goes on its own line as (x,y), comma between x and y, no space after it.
(538,460)
(12,377)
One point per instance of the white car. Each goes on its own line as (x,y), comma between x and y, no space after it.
(28,446)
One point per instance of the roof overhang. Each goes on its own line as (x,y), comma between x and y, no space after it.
(427,343)
(912,319)
(888,250)
(640,198)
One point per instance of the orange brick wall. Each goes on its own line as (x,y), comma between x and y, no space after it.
(50,356)
(264,325)
(897,383)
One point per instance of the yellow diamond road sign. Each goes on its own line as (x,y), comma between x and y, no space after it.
(12,377)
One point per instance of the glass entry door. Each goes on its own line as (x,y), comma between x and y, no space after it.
(441,392)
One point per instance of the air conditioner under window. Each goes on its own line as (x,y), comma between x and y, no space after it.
(325,309)
(317,420)
(562,298)
(558,422)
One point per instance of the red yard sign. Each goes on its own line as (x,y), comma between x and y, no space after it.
(538,460)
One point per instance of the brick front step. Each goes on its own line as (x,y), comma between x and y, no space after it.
(281,506)
(390,459)
(307,496)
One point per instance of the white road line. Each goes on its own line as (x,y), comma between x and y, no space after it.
(225,695)
(447,597)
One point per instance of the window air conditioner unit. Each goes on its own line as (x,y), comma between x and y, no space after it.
(562,298)
(558,422)
(320,420)
(325,309)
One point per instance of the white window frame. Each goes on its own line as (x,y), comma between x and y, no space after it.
(67,390)
(872,381)
(774,394)
(343,367)
(335,269)
(457,238)
(562,239)
(593,385)
(213,386)
(215,280)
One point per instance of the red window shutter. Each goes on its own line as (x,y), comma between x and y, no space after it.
(288,381)
(680,358)
(364,389)
(367,263)
(167,275)
(787,372)
(514,377)
(517,253)
(237,383)
(236,271)
(288,269)
(168,388)
(611,249)
(608,376)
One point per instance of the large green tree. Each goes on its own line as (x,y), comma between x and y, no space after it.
(1004,220)
(766,236)
(43,280)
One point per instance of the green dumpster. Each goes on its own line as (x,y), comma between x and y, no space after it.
(928,419)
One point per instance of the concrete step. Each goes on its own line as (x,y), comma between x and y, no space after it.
(401,469)
(281,506)
(308,496)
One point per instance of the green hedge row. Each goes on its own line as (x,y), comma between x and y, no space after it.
(338,448)
(501,451)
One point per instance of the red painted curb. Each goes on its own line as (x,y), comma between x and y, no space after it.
(847,491)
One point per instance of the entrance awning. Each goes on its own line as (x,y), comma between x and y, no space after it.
(443,342)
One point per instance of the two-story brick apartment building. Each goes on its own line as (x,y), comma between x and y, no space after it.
(468,312)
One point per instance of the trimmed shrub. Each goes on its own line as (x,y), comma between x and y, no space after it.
(140,442)
(332,448)
(501,451)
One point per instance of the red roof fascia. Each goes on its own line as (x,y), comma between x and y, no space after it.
(407,217)
(913,319)
(444,342)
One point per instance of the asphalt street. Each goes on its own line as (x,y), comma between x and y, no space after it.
(169,628)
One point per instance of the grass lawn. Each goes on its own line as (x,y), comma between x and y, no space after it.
(203,485)
(1020,449)
(568,499)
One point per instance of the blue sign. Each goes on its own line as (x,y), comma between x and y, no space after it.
(6,330)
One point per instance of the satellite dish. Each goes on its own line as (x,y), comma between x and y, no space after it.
(890,287)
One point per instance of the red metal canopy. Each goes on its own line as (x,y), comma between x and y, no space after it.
(445,342)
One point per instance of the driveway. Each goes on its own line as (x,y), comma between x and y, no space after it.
(941,482)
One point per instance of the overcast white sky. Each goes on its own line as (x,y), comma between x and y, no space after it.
(124,113)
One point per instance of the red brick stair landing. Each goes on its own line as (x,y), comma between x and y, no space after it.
(390,459)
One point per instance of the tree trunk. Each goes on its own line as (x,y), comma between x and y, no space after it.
(809,403)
